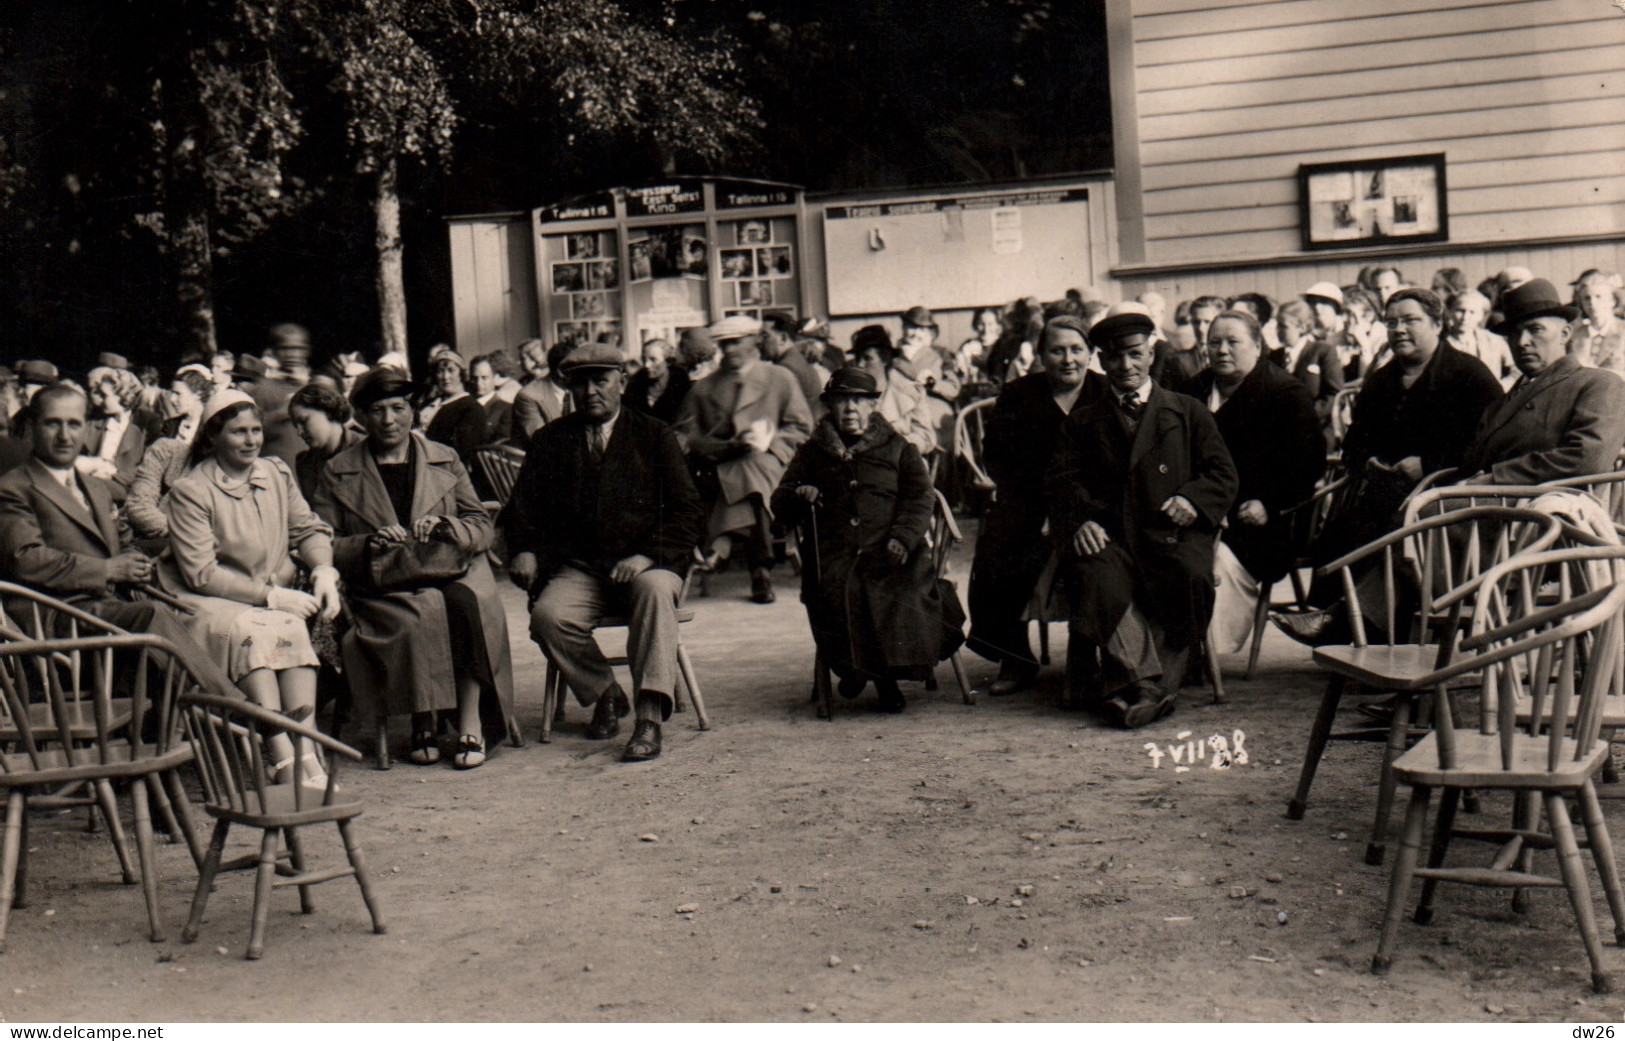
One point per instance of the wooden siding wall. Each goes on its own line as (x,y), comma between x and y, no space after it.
(493,282)
(1525,97)
(1283,281)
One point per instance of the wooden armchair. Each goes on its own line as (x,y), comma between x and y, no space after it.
(239,787)
(1561,658)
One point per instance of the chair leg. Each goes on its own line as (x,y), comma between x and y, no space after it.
(296,855)
(10,852)
(182,802)
(1449,799)
(19,898)
(139,796)
(352,850)
(1579,887)
(1602,851)
(115,829)
(1399,730)
(1319,734)
(550,701)
(685,666)
(822,692)
(931,680)
(1399,883)
(264,876)
(1215,676)
(166,812)
(1525,815)
(205,880)
(966,695)
(1043,639)
(1261,617)
(381,755)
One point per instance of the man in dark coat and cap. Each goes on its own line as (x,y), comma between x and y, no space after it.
(603,520)
(1140,483)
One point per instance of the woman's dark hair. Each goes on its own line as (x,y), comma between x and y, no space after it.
(873,338)
(1357,294)
(1449,279)
(319,397)
(1263,309)
(1423,297)
(207,434)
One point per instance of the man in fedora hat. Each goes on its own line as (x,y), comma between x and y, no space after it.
(33,375)
(1140,482)
(603,520)
(1560,419)
(744,421)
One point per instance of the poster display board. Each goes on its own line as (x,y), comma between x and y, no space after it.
(1373,202)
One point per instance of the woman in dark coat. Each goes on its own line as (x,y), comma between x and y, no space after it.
(658,389)
(451,415)
(429,650)
(1018,441)
(1268,422)
(871,595)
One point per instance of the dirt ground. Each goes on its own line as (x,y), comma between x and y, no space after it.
(1006,861)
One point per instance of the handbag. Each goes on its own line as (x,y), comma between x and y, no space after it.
(401,567)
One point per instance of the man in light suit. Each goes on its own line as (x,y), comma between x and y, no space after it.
(1139,485)
(545,398)
(59,534)
(1560,419)
(745,420)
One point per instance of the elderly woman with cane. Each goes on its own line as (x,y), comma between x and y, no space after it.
(876,611)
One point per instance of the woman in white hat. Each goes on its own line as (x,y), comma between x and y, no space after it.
(237,526)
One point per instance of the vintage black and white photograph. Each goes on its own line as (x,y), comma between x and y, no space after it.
(586,515)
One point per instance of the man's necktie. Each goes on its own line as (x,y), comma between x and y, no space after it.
(595,442)
(1132,406)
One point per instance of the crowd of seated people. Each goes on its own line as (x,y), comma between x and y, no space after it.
(335,518)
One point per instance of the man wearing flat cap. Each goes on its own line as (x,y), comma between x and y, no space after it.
(745,421)
(603,520)
(1560,419)
(1140,482)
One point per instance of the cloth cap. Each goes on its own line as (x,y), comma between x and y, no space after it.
(590,356)
(1536,298)
(441,353)
(1325,291)
(1513,277)
(813,329)
(849,379)
(1122,320)
(734,327)
(37,372)
(222,399)
(109,360)
(378,383)
(201,370)
(919,316)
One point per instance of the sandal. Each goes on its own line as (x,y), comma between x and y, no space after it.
(425,748)
(470,752)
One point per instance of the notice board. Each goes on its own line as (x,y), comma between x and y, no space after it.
(956,251)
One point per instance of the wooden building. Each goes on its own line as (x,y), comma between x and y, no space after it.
(1217,103)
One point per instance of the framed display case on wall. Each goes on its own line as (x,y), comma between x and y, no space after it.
(1373,202)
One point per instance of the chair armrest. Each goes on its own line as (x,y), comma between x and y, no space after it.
(266,717)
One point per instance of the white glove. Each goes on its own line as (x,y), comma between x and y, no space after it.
(324,583)
(292,601)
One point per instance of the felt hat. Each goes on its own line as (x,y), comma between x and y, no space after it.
(247,367)
(110,360)
(1324,291)
(734,327)
(849,379)
(195,369)
(1513,277)
(1536,298)
(1125,325)
(590,356)
(37,372)
(920,317)
(378,383)
(813,329)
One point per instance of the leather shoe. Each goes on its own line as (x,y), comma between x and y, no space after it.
(1141,706)
(645,743)
(761,587)
(850,686)
(1312,628)
(1013,676)
(891,699)
(606,713)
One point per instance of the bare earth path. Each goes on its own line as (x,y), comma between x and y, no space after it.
(875,868)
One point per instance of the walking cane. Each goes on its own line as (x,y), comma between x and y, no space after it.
(823,693)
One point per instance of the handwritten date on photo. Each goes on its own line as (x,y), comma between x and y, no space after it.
(1186,753)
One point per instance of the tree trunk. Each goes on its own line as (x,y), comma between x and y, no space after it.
(194,280)
(391,282)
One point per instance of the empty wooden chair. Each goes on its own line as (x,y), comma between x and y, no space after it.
(61,723)
(239,787)
(1419,563)
(499,466)
(968,442)
(1562,658)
